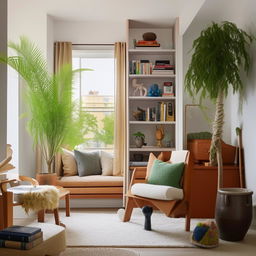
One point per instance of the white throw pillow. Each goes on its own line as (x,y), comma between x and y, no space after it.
(106,159)
(69,163)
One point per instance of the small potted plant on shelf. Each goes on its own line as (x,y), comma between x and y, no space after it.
(53,119)
(139,139)
(220,52)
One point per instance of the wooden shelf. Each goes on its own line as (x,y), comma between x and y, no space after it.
(150,149)
(151,98)
(152,122)
(151,51)
(151,76)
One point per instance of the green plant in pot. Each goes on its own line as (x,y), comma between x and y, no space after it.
(220,52)
(53,119)
(139,139)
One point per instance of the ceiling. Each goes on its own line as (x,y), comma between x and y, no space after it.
(157,11)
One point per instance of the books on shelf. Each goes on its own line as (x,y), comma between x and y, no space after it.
(141,67)
(20,237)
(163,111)
(163,67)
(143,43)
(163,72)
(145,67)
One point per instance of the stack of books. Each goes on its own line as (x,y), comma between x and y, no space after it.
(143,43)
(143,67)
(163,111)
(20,237)
(163,67)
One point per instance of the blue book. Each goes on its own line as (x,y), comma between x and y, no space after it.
(20,233)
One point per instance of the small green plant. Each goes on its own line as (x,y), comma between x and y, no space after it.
(139,135)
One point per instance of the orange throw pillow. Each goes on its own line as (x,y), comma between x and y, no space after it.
(151,160)
(163,156)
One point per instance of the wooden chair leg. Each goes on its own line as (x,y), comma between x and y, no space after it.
(7,209)
(187,224)
(128,209)
(56,216)
(40,216)
(67,200)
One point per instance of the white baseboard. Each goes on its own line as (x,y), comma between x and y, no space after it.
(93,203)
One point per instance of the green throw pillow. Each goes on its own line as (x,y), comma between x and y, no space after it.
(167,174)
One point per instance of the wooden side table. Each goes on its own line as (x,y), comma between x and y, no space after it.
(63,193)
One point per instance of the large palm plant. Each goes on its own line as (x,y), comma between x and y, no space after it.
(219,53)
(54,120)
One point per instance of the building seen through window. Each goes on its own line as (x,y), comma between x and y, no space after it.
(94,92)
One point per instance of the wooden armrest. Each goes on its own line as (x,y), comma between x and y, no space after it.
(137,173)
(32,181)
(8,156)
(3,184)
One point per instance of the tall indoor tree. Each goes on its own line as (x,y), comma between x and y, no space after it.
(54,120)
(220,52)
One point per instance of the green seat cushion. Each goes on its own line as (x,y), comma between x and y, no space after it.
(168,174)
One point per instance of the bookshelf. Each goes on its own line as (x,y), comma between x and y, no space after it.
(140,63)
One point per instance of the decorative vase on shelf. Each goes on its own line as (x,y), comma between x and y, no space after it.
(159,136)
(233,213)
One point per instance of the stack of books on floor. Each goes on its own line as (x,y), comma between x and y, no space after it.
(163,67)
(20,237)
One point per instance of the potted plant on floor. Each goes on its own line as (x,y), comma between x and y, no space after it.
(53,119)
(220,52)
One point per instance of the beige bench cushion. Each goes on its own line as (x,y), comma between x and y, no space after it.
(90,181)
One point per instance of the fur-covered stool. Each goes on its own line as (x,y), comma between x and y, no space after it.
(54,242)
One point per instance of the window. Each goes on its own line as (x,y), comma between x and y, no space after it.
(94,91)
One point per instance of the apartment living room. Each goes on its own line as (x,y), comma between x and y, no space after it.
(125,127)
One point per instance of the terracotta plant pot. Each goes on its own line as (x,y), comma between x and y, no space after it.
(47,178)
(233,213)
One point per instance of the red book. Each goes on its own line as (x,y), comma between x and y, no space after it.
(147,42)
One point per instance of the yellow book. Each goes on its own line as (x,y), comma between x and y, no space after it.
(170,112)
(162,117)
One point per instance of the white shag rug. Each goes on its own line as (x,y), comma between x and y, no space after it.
(96,228)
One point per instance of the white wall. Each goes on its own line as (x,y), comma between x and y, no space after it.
(3,80)
(24,20)
(196,119)
(50,42)
(90,32)
(242,13)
